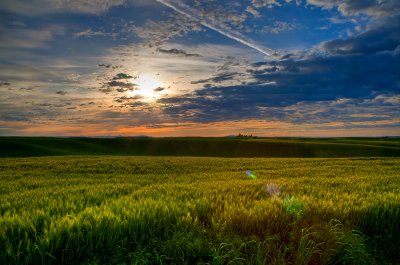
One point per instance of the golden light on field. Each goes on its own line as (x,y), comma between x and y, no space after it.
(147,85)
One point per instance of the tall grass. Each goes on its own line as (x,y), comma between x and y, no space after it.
(157,210)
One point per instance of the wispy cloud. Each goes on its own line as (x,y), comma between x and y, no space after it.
(279,26)
(22,38)
(191,13)
(40,7)
(90,33)
(374,8)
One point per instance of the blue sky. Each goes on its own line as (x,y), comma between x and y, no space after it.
(200,68)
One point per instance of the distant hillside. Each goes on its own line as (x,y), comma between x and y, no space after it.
(208,147)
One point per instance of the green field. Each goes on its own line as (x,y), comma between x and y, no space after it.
(204,147)
(194,210)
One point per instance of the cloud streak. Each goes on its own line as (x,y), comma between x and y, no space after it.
(189,12)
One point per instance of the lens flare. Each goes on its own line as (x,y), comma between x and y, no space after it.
(251,175)
(273,190)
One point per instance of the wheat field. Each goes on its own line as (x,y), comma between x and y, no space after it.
(187,210)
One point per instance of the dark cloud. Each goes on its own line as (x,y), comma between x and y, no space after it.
(108,66)
(62,92)
(14,117)
(216,79)
(106,90)
(5,84)
(381,39)
(123,76)
(31,112)
(364,112)
(121,84)
(159,89)
(267,69)
(118,86)
(104,65)
(27,88)
(178,52)
(369,67)
(137,104)
(121,89)
(44,105)
(124,99)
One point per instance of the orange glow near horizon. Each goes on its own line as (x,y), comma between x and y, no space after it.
(214,129)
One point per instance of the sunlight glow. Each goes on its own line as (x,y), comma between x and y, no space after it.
(147,85)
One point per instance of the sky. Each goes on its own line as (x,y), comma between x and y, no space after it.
(308,68)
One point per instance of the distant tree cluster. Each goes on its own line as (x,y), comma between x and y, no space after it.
(246,135)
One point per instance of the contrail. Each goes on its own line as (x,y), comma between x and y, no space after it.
(189,12)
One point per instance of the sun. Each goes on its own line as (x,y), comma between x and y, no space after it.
(147,85)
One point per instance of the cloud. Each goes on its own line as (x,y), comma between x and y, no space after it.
(104,65)
(353,80)
(42,7)
(179,71)
(209,23)
(13,117)
(367,68)
(158,32)
(338,20)
(120,82)
(218,106)
(125,99)
(22,38)
(279,26)
(27,88)
(178,52)
(365,112)
(221,77)
(108,66)
(266,3)
(119,86)
(84,6)
(374,8)
(121,76)
(7,84)
(159,89)
(381,39)
(14,107)
(24,72)
(90,33)
(253,11)
(62,93)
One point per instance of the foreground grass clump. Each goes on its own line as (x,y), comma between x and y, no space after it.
(157,210)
